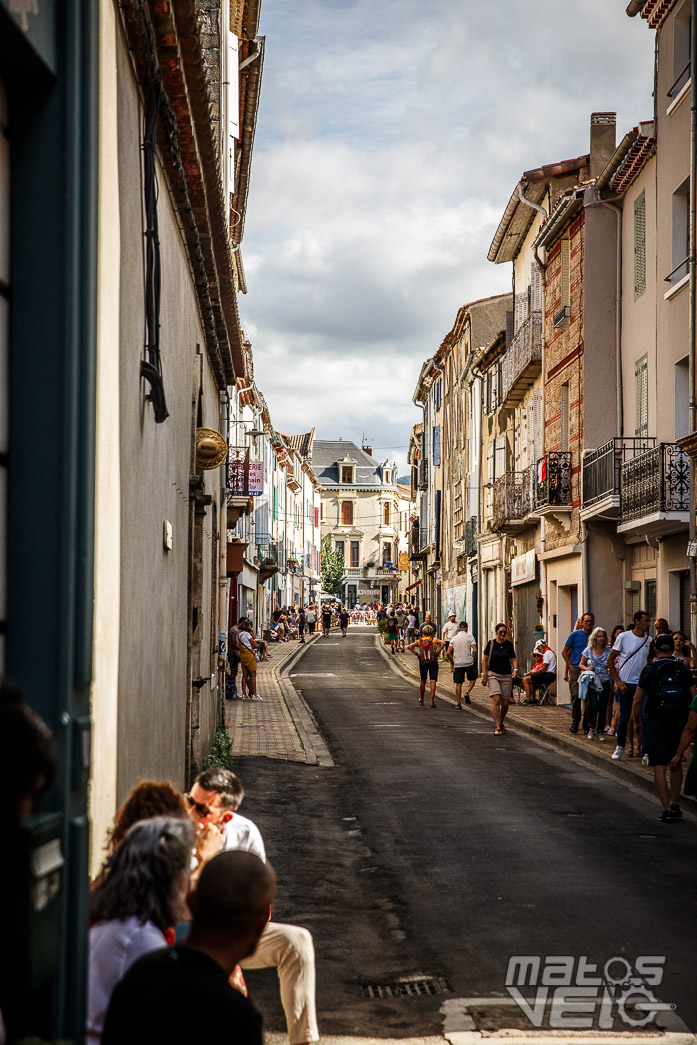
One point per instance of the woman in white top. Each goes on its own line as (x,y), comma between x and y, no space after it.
(139,899)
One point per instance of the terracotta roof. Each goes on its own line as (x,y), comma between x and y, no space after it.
(639,154)
(654,11)
(302,443)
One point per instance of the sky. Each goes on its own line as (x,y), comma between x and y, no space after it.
(391,134)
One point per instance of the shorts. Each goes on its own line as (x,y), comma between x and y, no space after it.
(465,671)
(428,669)
(249,661)
(660,741)
(500,685)
(542,678)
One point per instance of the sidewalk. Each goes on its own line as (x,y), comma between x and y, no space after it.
(548,723)
(281,725)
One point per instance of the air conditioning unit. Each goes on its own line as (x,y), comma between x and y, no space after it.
(561,318)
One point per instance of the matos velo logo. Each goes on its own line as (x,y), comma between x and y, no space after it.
(576,994)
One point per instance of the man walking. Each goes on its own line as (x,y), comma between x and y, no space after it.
(301,624)
(461,653)
(344,621)
(326,620)
(450,629)
(668,687)
(311,618)
(571,655)
(625,664)
(401,616)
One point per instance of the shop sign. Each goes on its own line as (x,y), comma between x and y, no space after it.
(523,568)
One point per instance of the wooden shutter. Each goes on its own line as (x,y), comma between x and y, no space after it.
(535,288)
(639,245)
(538,424)
(510,328)
(565,274)
(641,397)
(347,513)
(500,461)
(436,444)
(564,407)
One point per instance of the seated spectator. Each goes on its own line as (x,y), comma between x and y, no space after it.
(543,672)
(182,994)
(139,899)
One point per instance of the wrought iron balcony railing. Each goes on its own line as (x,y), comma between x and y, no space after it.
(268,551)
(655,481)
(508,499)
(523,360)
(553,481)
(602,468)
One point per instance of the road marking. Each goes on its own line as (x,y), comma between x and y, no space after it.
(314,674)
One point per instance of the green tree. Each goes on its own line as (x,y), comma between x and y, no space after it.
(332,567)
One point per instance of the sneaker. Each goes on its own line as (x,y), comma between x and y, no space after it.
(591,734)
(573,729)
(666,816)
(611,732)
(257,697)
(675,811)
(601,736)
(645,759)
(617,753)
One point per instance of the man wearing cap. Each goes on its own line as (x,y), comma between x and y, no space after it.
(461,653)
(543,675)
(450,630)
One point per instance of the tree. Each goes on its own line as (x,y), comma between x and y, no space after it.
(332,567)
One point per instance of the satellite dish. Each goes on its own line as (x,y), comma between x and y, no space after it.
(211,448)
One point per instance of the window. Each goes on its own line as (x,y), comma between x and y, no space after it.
(387,476)
(682,398)
(339,545)
(682,49)
(347,513)
(436,445)
(681,233)
(564,407)
(641,397)
(354,553)
(386,515)
(347,474)
(386,553)
(563,314)
(639,245)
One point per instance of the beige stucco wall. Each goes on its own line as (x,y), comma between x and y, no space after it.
(107,557)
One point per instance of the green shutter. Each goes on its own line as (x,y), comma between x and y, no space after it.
(639,245)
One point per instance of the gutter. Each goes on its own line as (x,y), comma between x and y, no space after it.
(635,7)
(615,160)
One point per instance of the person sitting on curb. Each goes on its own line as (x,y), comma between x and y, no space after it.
(462,651)
(668,687)
(543,673)
(214,799)
(426,649)
(231,907)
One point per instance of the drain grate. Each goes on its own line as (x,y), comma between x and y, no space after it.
(408,987)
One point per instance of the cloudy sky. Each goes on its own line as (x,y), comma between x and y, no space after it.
(391,134)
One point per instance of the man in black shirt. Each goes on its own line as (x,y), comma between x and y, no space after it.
(326,620)
(179,995)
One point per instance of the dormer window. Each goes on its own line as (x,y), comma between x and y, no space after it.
(387,475)
(347,470)
(346,473)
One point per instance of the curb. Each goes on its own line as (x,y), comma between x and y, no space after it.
(316,750)
(543,736)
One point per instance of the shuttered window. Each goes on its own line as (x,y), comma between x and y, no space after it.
(500,461)
(354,553)
(641,397)
(347,513)
(535,288)
(537,424)
(565,274)
(436,444)
(564,407)
(639,245)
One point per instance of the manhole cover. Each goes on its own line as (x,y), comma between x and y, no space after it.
(406,988)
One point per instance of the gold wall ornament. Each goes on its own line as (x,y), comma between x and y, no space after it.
(211,448)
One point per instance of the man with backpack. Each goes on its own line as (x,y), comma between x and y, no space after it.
(662,701)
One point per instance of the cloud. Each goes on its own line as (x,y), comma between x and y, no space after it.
(390,137)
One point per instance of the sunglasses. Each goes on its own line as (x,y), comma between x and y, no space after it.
(202,810)
(502,631)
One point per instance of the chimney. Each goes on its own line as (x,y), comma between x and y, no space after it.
(603,145)
(368,450)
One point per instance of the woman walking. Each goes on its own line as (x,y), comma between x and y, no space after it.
(594,658)
(499,665)
(426,649)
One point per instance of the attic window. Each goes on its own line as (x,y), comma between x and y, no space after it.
(387,475)
(346,473)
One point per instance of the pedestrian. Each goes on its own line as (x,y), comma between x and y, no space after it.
(613,711)
(687,738)
(669,688)
(499,664)
(450,628)
(594,658)
(426,648)
(326,620)
(626,662)
(461,653)
(301,623)
(138,899)
(571,655)
(232,906)
(401,615)
(428,623)
(544,674)
(311,618)
(392,632)
(214,801)
(344,621)
(411,627)
(683,649)
(249,662)
(660,627)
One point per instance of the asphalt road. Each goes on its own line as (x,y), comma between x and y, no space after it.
(434,847)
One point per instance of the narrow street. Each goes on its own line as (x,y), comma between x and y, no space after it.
(434,847)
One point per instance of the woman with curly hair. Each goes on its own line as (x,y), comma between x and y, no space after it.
(140,897)
(146,800)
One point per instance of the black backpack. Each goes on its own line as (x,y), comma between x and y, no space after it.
(669,693)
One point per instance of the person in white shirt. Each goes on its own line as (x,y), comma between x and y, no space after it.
(213,803)
(544,671)
(625,664)
(461,654)
(449,630)
(411,626)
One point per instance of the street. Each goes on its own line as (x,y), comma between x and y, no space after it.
(433,847)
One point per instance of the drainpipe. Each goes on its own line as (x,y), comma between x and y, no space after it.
(619,379)
(693,310)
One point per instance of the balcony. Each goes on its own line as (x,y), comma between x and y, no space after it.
(508,502)
(269,557)
(418,541)
(523,360)
(602,476)
(423,474)
(552,486)
(655,494)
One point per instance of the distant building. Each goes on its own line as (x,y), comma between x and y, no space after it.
(360,514)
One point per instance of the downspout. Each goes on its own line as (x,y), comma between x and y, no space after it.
(619,379)
(693,310)
(223,600)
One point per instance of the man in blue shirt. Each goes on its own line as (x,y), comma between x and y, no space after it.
(572,653)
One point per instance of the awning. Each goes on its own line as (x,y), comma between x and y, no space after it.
(414,585)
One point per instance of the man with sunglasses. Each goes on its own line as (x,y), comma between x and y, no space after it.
(213,801)
(499,664)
